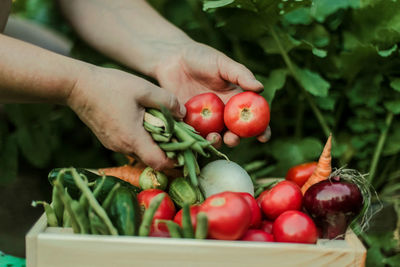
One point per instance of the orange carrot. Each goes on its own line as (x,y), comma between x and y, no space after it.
(323,169)
(127,173)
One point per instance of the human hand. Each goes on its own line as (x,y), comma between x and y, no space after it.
(112,104)
(194,68)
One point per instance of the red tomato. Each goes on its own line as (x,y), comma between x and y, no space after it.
(165,211)
(296,227)
(259,199)
(257,235)
(255,210)
(282,197)
(205,112)
(247,114)
(300,173)
(228,215)
(267,226)
(193,213)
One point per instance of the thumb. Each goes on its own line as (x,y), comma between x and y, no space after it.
(238,74)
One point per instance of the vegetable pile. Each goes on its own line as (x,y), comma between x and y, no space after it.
(223,207)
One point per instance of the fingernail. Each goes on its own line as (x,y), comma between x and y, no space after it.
(258,83)
(182,110)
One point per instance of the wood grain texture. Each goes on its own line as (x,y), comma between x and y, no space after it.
(50,247)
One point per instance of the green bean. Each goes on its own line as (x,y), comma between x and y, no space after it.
(93,202)
(188,127)
(201,226)
(187,225)
(254,166)
(107,201)
(151,128)
(83,201)
(174,229)
(57,205)
(66,199)
(190,163)
(66,222)
(148,215)
(263,172)
(159,137)
(169,119)
(170,154)
(97,226)
(176,146)
(50,213)
(181,159)
(81,217)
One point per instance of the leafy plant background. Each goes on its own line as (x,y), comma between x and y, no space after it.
(327,66)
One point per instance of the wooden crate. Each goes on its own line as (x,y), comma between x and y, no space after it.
(59,247)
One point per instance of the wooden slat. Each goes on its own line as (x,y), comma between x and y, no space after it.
(31,241)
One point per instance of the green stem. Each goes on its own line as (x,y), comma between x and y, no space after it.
(379,147)
(292,69)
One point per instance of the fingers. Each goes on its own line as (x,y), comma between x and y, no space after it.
(231,139)
(264,137)
(236,73)
(155,97)
(215,139)
(149,152)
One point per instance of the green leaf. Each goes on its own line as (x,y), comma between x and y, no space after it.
(323,8)
(313,82)
(387,52)
(327,103)
(298,16)
(395,84)
(393,106)
(8,160)
(275,81)
(271,47)
(241,4)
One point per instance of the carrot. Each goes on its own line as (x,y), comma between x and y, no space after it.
(127,173)
(323,169)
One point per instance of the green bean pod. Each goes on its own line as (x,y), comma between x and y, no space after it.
(174,229)
(170,154)
(144,229)
(201,226)
(66,221)
(57,205)
(187,225)
(190,163)
(151,128)
(81,217)
(110,196)
(174,146)
(93,202)
(160,137)
(50,214)
(97,226)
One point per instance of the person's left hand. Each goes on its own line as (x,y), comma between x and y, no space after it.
(196,68)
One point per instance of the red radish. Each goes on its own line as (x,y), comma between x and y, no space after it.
(255,210)
(299,174)
(333,204)
(267,226)
(228,215)
(257,235)
(193,215)
(247,114)
(282,197)
(205,113)
(295,227)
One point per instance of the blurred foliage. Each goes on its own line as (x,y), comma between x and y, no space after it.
(327,66)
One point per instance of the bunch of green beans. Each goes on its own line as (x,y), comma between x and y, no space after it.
(179,140)
(115,214)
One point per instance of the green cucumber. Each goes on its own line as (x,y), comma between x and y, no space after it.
(124,211)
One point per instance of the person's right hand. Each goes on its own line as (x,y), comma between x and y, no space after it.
(112,104)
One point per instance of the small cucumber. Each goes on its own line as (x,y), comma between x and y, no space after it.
(124,211)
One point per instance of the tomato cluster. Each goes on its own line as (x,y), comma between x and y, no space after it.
(274,216)
(246,114)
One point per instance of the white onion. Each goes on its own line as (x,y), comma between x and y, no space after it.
(222,175)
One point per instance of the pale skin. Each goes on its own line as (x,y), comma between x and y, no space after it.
(111,102)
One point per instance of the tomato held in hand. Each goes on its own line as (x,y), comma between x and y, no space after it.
(205,113)
(255,210)
(282,197)
(296,227)
(300,173)
(165,211)
(257,235)
(228,215)
(193,215)
(247,114)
